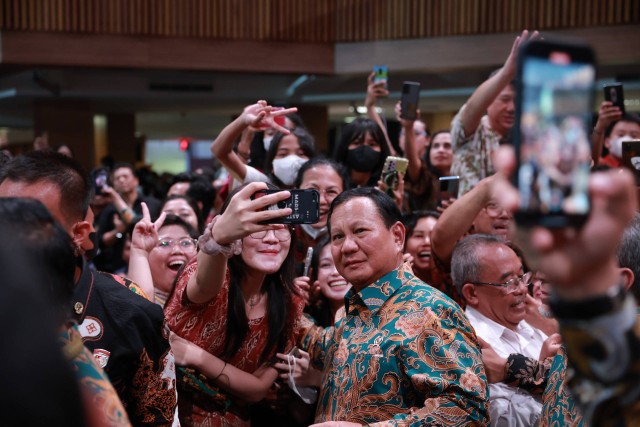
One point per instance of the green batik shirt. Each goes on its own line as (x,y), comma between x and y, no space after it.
(404,355)
(599,384)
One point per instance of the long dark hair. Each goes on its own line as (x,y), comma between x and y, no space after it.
(355,131)
(307,145)
(280,291)
(321,311)
(427,155)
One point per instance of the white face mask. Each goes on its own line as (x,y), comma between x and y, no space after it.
(616,145)
(286,169)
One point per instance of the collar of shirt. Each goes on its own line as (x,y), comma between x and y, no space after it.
(372,297)
(498,335)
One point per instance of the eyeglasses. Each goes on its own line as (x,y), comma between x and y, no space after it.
(512,285)
(186,244)
(282,234)
(330,192)
(493,209)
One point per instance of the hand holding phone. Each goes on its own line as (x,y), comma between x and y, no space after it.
(409,100)
(100,180)
(449,186)
(393,167)
(615,94)
(553,114)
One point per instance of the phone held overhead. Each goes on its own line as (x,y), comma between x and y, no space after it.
(555,86)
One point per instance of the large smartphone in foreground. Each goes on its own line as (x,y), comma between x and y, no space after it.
(409,100)
(304,204)
(553,112)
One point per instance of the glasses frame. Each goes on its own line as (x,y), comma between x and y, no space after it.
(263,234)
(174,242)
(505,286)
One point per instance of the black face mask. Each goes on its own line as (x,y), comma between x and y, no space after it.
(89,254)
(363,159)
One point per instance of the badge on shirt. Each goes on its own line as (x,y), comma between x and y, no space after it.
(91,329)
(101,356)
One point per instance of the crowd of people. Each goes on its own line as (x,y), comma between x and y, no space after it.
(397,307)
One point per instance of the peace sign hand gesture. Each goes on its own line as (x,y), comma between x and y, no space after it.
(145,233)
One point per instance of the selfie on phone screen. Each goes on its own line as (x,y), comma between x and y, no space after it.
(554,148)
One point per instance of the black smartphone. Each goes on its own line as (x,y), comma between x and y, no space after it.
(100,180)
(631,157)
(614,94)
(449,186)
(305,206)
(381,73)
(409,100)
(554,99)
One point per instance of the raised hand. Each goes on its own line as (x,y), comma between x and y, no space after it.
(260,116)
(512,59)
(374,91)
(145,233)
(244,215)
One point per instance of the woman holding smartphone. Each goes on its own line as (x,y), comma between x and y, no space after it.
(236,306)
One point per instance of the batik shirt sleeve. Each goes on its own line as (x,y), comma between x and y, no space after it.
(604,364)
(527,373)
(404,355)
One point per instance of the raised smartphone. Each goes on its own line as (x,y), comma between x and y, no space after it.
(614,93)
(449,186)
(631,157)
(305,206)
(100,180)
(393,166)
(381,73)
(554,98)
(409,100)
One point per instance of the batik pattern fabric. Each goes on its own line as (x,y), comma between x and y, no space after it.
(102,404)
(126,335)
(406,355)
(603,373)
(528,373)
(201,402)
(472,154)
(558,405)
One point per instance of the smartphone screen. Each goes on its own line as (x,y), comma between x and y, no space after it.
(100,180)
(381,73)
(409,100)
(392,167)
(553,112)
(305,206)
(615,94)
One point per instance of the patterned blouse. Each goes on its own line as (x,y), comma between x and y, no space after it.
(472,153)
(201,402)
(405,354)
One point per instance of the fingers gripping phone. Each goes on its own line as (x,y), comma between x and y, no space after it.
(449,186)
(304,204)
(553,111)
(393,166)
(614,94)
(409,100)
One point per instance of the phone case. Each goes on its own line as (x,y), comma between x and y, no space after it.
(305,206)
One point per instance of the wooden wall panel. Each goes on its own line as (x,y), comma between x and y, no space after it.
(310,20)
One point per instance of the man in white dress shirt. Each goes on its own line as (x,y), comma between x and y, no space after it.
(490,276)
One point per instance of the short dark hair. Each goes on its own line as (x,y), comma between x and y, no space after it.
(355,131)
(629,253)
(121,165)
(627,117)
(340,169)
(465,262)
(44,246)
(305,139)
(62,171)
(385,206)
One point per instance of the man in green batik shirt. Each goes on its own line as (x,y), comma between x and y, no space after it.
(405,353)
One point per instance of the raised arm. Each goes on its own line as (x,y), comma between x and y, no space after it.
(457,219)
(488,91)
(410,149)
(258,116)
(143,240)
(376,91)
(242,217)
(607,114)
(251,387)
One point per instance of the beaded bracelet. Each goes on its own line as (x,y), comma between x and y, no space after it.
(209,246)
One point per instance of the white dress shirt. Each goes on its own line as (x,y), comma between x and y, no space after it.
(510,406)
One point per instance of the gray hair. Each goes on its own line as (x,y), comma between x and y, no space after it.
(465,262)
(629,253)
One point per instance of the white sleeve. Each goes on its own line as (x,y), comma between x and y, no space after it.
(512,407)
